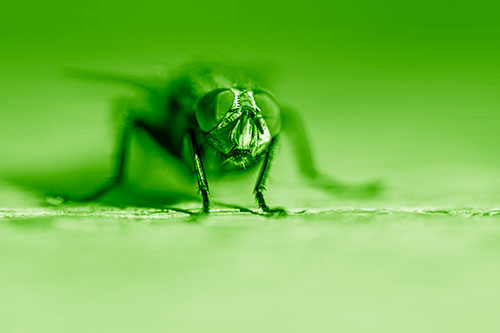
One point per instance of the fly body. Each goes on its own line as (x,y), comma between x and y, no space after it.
(226,111)
(227,120)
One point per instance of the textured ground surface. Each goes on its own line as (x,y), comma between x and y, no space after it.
(103,269)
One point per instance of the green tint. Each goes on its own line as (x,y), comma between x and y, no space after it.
(270,111)
(213,107)
(407,92)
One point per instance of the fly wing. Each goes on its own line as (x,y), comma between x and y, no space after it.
(151,85)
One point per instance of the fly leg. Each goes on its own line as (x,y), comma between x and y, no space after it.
(128,124)
(128,120)
(118,174)
(293,126)
(260,187)
(200,173)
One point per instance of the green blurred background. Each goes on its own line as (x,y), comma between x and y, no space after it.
(405,92)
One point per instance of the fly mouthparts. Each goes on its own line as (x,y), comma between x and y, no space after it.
(238,153)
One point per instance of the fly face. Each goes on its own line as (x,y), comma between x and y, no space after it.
(239,123)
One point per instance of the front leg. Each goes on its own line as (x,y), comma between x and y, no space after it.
(200,173)
(260,187)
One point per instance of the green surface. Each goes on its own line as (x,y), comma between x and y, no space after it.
(349,271)
(407,93)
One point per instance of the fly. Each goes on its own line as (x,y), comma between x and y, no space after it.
(220,115)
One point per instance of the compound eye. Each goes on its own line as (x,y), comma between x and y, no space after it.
(270,111)
(213,107)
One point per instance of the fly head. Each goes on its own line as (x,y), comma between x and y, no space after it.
(239,123)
